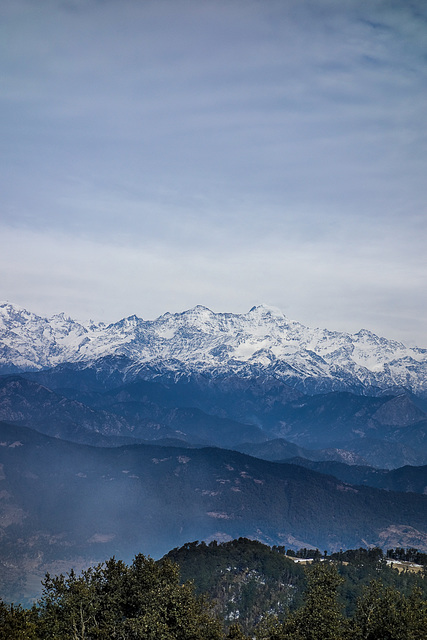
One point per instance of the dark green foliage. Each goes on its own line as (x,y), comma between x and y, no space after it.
(320,617)
(313,554)
(143,601)
(385,614)
(17,623)
(408,555)
(359,567)
(235,633)
(244,577)
(148,601)
(359,557)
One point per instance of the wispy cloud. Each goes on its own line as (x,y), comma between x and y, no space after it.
(234,151)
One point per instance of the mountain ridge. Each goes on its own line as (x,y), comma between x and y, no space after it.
(62,502)
(198,341)
(92,403)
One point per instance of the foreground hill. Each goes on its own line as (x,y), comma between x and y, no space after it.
(64,504)
(245,578)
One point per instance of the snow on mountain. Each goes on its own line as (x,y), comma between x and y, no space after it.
(260,342)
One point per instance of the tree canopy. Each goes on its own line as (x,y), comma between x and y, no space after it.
(147,600)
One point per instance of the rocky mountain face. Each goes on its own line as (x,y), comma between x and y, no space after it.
(262,342)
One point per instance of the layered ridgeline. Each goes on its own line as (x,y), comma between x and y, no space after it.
(139,436)
(66,505)
(257,382)
(262,342)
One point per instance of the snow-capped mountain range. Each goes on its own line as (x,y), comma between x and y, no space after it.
(198,341)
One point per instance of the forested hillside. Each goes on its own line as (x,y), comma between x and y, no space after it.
(262,593)
(246,578)
(68,505)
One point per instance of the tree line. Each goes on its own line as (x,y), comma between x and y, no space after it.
(246,578)
(147,600)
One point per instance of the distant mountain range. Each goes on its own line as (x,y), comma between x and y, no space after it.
(142,435)
(262,342)
(250,415)
(216,379)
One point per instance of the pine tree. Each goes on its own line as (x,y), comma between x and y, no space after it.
(383,613)
(17,623)
(320,617)
(144,601)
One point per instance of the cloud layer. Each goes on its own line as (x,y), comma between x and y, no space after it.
(163,154)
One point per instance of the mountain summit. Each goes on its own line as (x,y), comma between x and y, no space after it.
(262,342)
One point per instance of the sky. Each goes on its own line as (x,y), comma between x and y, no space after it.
(159,154)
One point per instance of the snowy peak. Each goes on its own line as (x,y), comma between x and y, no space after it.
(199,317)
(15,315)
(262,342)
(266,314)
(264,311)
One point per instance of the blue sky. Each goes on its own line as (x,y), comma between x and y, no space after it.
(160,154)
